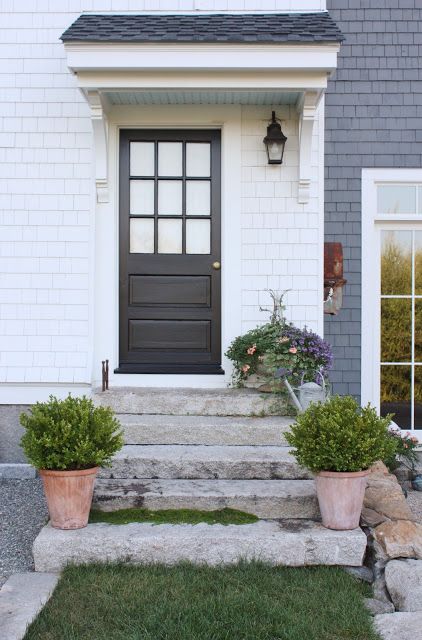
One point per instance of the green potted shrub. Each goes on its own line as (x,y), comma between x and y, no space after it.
(67,441)
(338,441)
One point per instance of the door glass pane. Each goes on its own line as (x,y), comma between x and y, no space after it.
(142,158)
(396,330)
(198,198)
(396,262)
(142,235)
(418,397)
(395,393)
(170,197)
(142,197)
(198,159)
(198,237)
(170,159)
(418,263)
(169,236)
(395,198)
(418,330)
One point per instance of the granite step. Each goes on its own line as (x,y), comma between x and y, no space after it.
(197,402)
(206,430)
(286,542)
(264,498)
(213,462)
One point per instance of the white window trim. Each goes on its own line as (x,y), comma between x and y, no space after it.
(370,318)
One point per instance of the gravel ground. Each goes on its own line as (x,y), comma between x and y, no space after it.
(22,514)
(414,498)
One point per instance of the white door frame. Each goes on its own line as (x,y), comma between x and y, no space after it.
(372,224)
(227,118)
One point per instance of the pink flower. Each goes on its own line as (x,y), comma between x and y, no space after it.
(292,350)
(246,368)
(251,350)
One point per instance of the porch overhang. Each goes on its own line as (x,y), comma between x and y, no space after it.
(111,73)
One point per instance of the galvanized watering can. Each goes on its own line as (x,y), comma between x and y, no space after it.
(307,393)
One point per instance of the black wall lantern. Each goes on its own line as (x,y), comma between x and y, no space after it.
(275,141)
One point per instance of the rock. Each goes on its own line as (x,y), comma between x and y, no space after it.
(399,626)
(362,573)
(384,495)
(371,518)
(404,583)
(400,539)
(376,607)
(288,542)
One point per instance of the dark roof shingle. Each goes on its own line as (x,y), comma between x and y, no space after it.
(247,28)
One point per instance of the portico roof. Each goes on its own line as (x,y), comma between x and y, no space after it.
(246,28)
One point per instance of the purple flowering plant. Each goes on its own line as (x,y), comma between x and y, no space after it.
(301,353)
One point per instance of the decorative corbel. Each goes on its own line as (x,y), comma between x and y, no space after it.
(100,131)
(307,107)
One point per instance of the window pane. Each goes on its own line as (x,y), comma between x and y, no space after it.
(198,159)
(418,398)
(170,197)
(418,330)
(198,198)
(395,394)
(142,235)
(418,263)
(169,236)
(393,198)
(142,158)
(198,237)
(396,334)
(142,197)
(170,159)
(396,262)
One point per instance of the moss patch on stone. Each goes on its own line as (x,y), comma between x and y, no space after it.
(172,516)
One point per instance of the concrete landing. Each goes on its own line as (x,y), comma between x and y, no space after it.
(21,599)
(264,498)
(292,543)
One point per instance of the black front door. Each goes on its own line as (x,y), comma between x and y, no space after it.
(170,278)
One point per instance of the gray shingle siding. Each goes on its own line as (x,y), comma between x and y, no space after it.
(374,119)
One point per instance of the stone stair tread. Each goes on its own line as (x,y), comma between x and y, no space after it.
(264,498)
(294,543)
(186,401)
(211,488)
(207,430)
(202,462)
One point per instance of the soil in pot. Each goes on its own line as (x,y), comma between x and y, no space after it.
(340,497)
(69,496)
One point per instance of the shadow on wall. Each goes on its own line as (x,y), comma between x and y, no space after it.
(11,433)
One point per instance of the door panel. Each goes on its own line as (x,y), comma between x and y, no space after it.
(170,294)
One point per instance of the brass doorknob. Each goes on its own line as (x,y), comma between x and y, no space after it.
(216,265)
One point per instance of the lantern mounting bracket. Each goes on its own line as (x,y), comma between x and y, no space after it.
(307,107)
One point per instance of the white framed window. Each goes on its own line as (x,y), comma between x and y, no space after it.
(392,294)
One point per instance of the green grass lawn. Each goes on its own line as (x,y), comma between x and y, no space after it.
(244,602)
(172,516)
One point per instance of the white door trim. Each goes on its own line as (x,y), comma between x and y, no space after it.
(372,223)
(106,289)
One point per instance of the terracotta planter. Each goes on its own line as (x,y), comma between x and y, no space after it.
(340,496)
(69,496)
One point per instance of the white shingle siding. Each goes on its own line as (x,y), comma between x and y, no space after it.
(280,238)
(47,198)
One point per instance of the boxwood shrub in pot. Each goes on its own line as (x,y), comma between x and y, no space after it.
(339,440)
(67,440)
